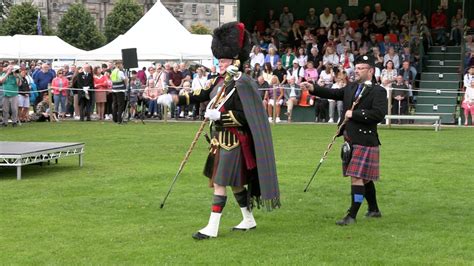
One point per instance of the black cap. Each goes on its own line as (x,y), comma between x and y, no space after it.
(365,59)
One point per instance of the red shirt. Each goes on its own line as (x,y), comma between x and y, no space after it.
(439,20)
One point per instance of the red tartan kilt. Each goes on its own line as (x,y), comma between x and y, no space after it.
(364,163)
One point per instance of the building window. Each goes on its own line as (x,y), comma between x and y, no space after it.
(221,10)
(194,9)
(208,9)
(179,8)
(234,11)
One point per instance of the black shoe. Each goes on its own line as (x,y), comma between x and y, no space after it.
(199,236)
(4,125)
(14,124)
(346,221)
(373,214)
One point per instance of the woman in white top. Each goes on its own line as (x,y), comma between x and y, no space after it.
(267,72)
(341,82)
(389,73)
(326,79)
(256,56)
(347,60)
(325,19)
(331,57)
(392,56)
(468,103)
(302,57)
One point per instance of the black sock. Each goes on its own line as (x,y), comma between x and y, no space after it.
(357,197)
(218,203)
(371,196)
(242,198)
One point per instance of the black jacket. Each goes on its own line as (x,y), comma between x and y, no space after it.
(85,81)
(371,110)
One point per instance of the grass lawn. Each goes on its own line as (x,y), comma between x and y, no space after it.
(108,211)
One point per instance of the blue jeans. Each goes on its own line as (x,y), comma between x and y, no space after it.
(59,98)
(152,107)
(440,36)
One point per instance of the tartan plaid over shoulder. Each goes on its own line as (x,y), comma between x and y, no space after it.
(262,138)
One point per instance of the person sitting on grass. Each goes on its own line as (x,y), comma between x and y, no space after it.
(42,110)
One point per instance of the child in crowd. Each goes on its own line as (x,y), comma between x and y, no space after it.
(135,86)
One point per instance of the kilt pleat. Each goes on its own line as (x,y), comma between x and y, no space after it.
(364,163)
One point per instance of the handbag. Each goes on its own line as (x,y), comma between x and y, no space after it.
(346,153)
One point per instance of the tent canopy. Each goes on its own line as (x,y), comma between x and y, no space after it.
(157,36)
(36,47)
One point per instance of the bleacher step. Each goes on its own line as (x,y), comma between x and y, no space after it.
(446,118)
(448,49)
(436,99)
(456,62)
(442,85)
(437,76)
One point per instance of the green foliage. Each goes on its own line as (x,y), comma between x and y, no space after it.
(22,19)
(77,27)
(124,15)
(108,212)
(199,28)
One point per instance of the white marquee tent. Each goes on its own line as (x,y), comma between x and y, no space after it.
(36,47)
(157,36)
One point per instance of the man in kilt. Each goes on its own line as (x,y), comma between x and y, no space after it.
(360,134)
(241,154)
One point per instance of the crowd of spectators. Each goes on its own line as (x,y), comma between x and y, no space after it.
(322,48)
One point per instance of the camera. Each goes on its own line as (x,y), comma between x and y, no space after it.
(16,69)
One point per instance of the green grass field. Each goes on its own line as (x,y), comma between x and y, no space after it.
(108,211)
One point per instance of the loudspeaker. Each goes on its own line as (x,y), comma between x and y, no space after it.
(129,58)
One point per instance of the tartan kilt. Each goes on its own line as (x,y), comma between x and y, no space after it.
(229,168)
(364,163)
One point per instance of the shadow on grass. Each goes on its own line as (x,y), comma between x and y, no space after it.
(38,171)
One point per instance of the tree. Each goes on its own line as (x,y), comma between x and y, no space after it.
(77,27)
(124,15)
(22,19)
(199,29)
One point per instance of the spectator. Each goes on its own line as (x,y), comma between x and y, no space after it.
(280,72)
(286,19)
(301,57)
(42,79)
(378,58)
(341,45)
(392,56)
(341,82)
(185,72)
(399,96)
(119,84)
(24,97)
(393,23)
(385,45)
(310,73)
(256,72)
(272,57)
(262,88)
(11,80)
(468,77)
(270,18)
(379,19)
(330,57)
(287,58)
(297,72)
(404,35)
(347,60)
(389,73)
(101,85)
(42,110)
(176,80)
(334,31)
(408,76)
(292,94)
(85,82)
(326,19)
(365,16)
(457,28)
(438,25)
(357,43)
(366,32)
(316,58)
(199,83)
(468,102)
(311,21)
(372,43)
(75,92)
(150,95)
(274,99)
(340,18)
(280,34)
(268,72)
(135,86)
(256,56)
(141,75)
(295,36)
(309,40)
(326,79)
(212,74)
(347,30)
(60,86)
(407,19)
